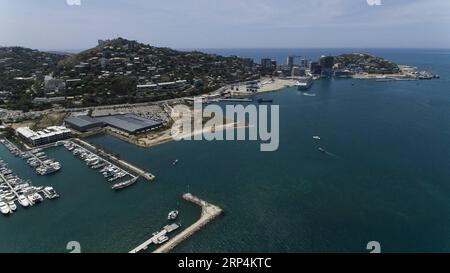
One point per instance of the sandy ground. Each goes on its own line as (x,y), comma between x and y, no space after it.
(276,84)
(165,136)
(266,85)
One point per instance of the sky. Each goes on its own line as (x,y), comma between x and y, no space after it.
(78,24)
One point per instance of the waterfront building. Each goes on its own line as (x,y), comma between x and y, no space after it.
(327,63)
(315,68)
(304,63)
(290,61)
(266,64)
(83,123)
(45,136)
(298,71)
(125,124)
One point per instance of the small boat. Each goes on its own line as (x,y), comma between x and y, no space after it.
(316,137)
(12,206)
(161,239)
(175,162)
(4,208)
(124,184)
(172,215)
(304,83)
(322,150)
(261,100)
(23,201)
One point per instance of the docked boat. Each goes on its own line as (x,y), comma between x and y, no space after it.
(4,208)
(12,206)
(125,184)
(172,215)
(304,83)
(161,239)
(36,198)
(23,201)
(49,169)
(52,194)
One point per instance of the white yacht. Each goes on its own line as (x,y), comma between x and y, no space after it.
(304,83)
(316,137)
(172,215)
(23,201)
(4,208)
(12,206)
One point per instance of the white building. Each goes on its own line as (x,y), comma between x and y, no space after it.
(48,135)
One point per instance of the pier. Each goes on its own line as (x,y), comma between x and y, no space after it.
(141,172)
(4,180)
(209,212)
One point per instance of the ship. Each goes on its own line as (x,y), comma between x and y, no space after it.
(48,169)
(172,215)
(124,184)
(304,83)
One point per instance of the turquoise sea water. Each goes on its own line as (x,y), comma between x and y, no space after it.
(387,179)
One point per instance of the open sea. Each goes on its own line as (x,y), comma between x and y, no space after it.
(386,177)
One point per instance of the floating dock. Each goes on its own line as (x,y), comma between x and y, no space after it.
(125,165)
(156,238)
(209,212)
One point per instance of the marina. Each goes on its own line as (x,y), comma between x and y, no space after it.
(110,171)
(13,188)
(141,172)
(36,158)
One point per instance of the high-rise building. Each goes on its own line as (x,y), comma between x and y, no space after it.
(290,61)
(327,63)
(315,68)
(304,63)
(298,71)
(266,64)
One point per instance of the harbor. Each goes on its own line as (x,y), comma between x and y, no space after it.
(13,188)
(120,162)
(110,171)
(208,213)
(36,158)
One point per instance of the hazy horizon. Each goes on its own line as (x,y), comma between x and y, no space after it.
(227,24)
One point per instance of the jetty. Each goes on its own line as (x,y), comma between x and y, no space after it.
(209,212)
(141,172)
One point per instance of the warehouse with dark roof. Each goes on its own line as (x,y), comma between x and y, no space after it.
(126,124)
(83,123)
(129,124)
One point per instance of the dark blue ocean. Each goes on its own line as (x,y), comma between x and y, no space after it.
(386,177)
